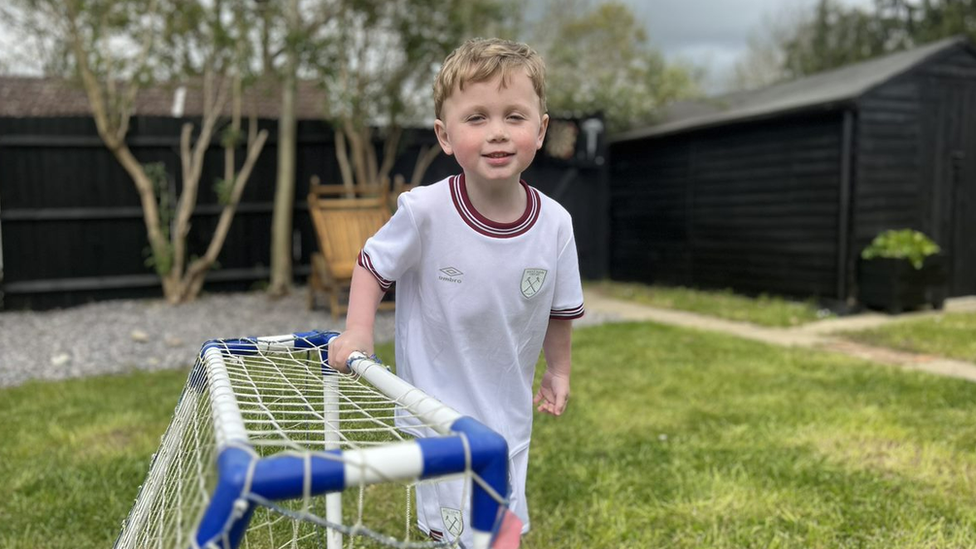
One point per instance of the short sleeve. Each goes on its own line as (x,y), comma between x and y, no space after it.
(394,249)
(567,303)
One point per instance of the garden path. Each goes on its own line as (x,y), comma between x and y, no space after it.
(819,335)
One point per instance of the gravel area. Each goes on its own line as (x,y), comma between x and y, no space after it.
(125,335)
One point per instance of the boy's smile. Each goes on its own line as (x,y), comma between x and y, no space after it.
(493,130)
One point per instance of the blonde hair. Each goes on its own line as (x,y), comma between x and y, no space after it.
(480,60)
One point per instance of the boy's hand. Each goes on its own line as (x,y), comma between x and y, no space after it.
(553,395)
(346,344)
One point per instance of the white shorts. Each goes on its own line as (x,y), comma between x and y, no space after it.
(443,515)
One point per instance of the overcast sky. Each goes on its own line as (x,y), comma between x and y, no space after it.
(712,33)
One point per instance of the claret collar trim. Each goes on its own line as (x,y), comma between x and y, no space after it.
(487,227)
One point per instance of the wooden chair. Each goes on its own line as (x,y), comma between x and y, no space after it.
(342,225)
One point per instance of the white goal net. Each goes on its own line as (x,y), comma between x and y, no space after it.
(271,448)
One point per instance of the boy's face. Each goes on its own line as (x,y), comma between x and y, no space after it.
(494,131)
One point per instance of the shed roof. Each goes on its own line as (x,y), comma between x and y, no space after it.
(34,97)
(824,90)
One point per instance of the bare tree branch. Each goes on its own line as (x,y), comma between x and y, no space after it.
(425,158)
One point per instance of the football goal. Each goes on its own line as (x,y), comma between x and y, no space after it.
(269,447)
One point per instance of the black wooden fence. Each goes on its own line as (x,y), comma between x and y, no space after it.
(71,226)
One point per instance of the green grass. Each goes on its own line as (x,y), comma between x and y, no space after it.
(951,335)
(763,310)
(74,453)
(673,438)
(684,439)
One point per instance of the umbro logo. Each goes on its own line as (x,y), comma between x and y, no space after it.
(451,274)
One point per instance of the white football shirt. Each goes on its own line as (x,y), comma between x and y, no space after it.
(474,298)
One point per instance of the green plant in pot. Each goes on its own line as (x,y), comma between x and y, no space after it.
(902,269)
(902,244)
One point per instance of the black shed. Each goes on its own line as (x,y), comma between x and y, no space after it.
(777,190)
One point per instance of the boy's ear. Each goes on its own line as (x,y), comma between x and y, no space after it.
(440,130)
(542,131)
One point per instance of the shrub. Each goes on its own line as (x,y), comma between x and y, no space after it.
(901,244)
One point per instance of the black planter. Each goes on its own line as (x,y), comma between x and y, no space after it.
(894,285)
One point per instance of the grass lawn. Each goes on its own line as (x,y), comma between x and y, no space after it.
(763,310)
(949,334)
(673,438)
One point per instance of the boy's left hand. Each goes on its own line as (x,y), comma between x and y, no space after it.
(553,395)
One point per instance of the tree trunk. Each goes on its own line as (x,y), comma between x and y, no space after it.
(281,224)
(342,155)
(158,244)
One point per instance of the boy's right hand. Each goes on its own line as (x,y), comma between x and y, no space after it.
(347,343)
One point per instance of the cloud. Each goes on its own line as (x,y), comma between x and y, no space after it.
(712,34)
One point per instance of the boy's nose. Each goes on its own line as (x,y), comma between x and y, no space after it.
(497,132)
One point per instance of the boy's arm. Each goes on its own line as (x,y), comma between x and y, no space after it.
(365,294)
(553,395)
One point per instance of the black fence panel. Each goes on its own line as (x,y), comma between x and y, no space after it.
(72,230)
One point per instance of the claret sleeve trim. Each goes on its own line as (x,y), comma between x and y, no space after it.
(567,314)
(366,263)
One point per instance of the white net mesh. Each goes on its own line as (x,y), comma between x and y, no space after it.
(289,405)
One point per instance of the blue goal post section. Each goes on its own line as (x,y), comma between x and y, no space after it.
(247,477)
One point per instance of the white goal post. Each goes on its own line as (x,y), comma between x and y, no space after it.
(267,442)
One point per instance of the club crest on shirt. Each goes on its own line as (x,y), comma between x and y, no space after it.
(452,520)
(532,281)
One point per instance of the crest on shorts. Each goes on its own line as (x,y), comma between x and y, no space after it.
(452,520)
(532,281)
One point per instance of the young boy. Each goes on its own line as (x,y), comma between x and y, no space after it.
(485,267)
